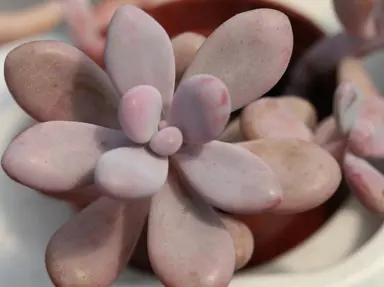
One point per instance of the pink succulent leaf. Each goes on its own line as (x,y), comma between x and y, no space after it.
(365,181)
(346,106)
(51,81)
(367,139)
(167,141)
(229,177)
(83,27)
(144,56)
(130,172)
(186,239)
(59,156)
(200,109)
(94,246)
(140,113)
(357,16)
(249,53)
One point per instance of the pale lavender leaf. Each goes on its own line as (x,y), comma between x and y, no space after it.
(308,174)
(51,80)
(357,17)
(200,109)
(272,118)
(346,106)
(185,47)
(130,172)
(326,131)
(142,56)
(229,177)
(94,246)
(242,238)
(367,139)
(187,243)
(83,27)
(365,181)
(140,112)
(249,53)
(167,141)
(59,156)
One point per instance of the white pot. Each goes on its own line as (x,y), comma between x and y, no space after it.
(346,252)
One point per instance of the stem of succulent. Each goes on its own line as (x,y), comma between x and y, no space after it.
(28,22)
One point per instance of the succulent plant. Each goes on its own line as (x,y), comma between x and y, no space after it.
(363,23)
(354,134)
(79,147)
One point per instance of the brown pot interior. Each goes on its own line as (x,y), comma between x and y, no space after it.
(274,234)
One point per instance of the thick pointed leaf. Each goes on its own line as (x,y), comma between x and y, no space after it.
(352,69)
(308,175)
(167,141)
(59,156)
(140,112)
(367,135)
(130,172)
(84,28)
(365,181)
(200,109)
(242,238)
(139,52)
(229,177)
(302,108)
(272,118)
(51,80)
(232,132)
(187,243)
(92,248)
(346,106)
(357,17)
(326,131)
(185,47)
(249,53)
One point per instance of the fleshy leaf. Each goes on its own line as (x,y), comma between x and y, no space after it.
(242,238)
(365,181)
(357,17)
(272,118)
(51,81)
(200,109)
(140,112)
(167,141)
(187,243)
(185,47)
(326,131)
(346,106)
(143,56)
(93,247)
(351,69)
(308,175)
(130,172)
(249,53)
(229,177)
(59,156)
(367,139)
(84,28)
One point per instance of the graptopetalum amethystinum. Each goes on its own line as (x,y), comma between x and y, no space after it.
(145,149)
